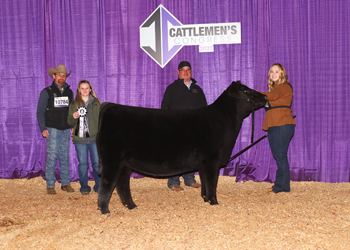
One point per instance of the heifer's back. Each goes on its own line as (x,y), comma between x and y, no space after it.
(164,143)
(152,141)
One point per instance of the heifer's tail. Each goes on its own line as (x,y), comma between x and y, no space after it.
(102,109)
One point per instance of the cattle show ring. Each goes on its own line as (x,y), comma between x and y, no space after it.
(246,217)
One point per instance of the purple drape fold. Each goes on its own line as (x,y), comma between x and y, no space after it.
(99,41)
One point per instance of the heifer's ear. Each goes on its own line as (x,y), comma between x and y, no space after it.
(236,83)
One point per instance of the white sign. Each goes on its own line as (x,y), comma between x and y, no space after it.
(162,35)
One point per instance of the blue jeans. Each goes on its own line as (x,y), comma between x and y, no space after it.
(82,153)
(175,180)
(57,148)
(279,139)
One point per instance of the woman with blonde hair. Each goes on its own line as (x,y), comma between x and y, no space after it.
(280,124)
(83,116)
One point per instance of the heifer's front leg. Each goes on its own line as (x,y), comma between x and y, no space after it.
(123,188)
(210,179)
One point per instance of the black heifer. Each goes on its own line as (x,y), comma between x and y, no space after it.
(163,143)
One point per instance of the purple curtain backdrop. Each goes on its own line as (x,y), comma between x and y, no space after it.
(99,41)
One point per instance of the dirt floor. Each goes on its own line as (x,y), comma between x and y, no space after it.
(314,215)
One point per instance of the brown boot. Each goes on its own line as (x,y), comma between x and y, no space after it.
(195,185)
(177,188)
(51,190)
(67,188)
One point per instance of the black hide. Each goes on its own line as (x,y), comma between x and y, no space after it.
(163,143)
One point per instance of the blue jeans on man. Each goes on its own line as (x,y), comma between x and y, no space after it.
(175,180)
(82,153)
(279,139)
(57,148)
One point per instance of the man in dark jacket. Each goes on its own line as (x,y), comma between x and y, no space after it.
(52,112)
(183,94)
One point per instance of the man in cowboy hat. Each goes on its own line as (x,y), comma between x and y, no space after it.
(52,112)
(184,93)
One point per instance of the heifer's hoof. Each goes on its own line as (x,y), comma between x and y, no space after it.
(105,211)
(107,214)
(205,199)
(130,207)
(213,202)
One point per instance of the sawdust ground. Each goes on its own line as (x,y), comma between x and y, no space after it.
(313,215)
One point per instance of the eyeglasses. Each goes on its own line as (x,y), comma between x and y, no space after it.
(185,70)
(61,74)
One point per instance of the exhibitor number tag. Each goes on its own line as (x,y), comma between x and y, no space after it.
(60,102)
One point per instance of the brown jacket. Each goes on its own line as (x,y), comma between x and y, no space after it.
(281,96)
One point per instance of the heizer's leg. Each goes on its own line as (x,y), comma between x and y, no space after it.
(123,188)
(109,177)
(212,184)
(104,194)
(209,180)
(204,184)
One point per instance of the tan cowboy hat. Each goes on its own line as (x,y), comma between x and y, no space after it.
(59,69)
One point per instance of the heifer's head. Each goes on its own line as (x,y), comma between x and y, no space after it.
(246,99)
